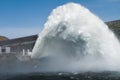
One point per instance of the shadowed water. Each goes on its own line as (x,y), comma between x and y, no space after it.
(64,76)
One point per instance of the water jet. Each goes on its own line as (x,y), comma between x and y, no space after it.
(77,40)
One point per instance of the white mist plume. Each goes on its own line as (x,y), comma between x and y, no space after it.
(76,39)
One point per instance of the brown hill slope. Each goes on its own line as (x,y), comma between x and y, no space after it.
(2,38)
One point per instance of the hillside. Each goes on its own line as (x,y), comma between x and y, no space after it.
(115,27)
(2,38)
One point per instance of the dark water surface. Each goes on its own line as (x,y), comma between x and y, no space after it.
(63,76)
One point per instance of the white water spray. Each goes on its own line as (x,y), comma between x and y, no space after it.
(76,39)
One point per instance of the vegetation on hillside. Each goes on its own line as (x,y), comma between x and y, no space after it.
(115,27)
(2,38)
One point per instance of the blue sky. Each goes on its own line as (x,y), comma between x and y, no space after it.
(20,18)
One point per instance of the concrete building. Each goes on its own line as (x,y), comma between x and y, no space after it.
(18,45)
(4,49)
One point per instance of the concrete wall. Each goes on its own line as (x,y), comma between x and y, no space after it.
(17,45)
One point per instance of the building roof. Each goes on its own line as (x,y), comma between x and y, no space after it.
(19,40)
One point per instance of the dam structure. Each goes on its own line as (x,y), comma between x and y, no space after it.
(19,48)
(18,45)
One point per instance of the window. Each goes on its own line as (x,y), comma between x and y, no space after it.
(3,50)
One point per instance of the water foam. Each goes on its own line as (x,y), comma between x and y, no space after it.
(76,39)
